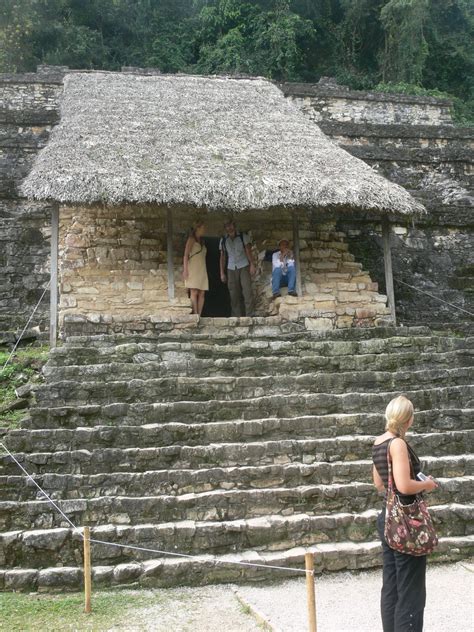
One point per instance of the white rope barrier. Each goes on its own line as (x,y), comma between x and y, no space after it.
(40,488)
(144,549)
(26,326)
(461,309)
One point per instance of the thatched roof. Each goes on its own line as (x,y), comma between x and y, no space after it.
(211,142)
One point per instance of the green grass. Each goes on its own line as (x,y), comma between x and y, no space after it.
(11,419)
(25,366)
(36,613)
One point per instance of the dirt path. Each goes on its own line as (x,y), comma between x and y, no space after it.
(350,602)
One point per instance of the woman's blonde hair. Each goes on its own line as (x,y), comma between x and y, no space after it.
(398,414)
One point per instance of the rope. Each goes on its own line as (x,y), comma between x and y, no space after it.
(435,297)
(196,557)
(140,548)
(40,488)
(26,326)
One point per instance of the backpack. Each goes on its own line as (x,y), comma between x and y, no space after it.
(224,239)
(224,249)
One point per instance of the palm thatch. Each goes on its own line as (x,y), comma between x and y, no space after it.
(211,142)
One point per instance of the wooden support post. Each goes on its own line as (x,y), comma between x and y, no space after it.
(296,252)
(87,570)
(387,258)
(169,245)
(310,591)
(53,287)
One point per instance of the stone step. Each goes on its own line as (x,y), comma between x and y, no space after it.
(191,327)
(184,481)
(342,448)
(180,364)
(63,546)
(215,505)
(177,389)
(189,432)
(235,347)
(280,406)
(161,572)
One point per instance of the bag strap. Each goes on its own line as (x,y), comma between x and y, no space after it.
(390,482)
(190,256)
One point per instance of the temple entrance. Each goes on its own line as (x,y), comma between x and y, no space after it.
(217,303)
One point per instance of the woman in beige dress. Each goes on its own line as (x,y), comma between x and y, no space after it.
(194,267)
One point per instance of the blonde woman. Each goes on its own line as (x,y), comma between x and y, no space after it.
(403,591)
(194,267)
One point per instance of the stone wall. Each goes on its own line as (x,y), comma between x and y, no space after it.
(422,151)
(410,140)
(328,101)
(28,110)
(113,270)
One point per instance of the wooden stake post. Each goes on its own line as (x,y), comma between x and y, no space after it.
(87,570)
(387,259)
(296,252)
(170,254)
(311,596)
(53,287)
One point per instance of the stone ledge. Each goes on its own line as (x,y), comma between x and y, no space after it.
(340,92)
(395,130)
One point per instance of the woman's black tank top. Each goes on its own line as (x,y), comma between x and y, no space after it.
(379,457)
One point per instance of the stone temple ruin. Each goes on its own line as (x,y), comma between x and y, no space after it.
(134,160)
(231,439)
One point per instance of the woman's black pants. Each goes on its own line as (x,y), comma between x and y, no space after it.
(403,591)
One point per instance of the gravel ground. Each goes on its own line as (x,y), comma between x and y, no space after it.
(348,602)
(206,609)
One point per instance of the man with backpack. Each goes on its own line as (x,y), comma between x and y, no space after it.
(237,269)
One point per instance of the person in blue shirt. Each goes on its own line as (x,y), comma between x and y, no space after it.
(283,269)
(237,269)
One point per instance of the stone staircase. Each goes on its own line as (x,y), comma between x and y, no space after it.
(237,440)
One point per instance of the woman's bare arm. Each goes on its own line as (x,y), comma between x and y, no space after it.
(187,250)
(401,471)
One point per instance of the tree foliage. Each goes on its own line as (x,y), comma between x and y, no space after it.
(427,44)
(405,51)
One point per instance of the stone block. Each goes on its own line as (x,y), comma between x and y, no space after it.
(125,573)
(343,322)
(48,539)
(325,306)
(366,313)
(102,575)
(18,579)
(135,285)
(86,290)
(326,265)
(324,324)
(62,578)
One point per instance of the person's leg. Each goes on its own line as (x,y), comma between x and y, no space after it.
(276,280)
(291,279)
(389,593)
(194,300)
(234,291)
(411,587)
(247,290)
(201,297)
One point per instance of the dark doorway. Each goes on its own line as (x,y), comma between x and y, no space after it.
(217,303)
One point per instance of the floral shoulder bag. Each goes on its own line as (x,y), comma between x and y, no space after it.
(408,528)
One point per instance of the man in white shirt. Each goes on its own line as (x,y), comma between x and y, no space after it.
(283,269)
(237,269)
